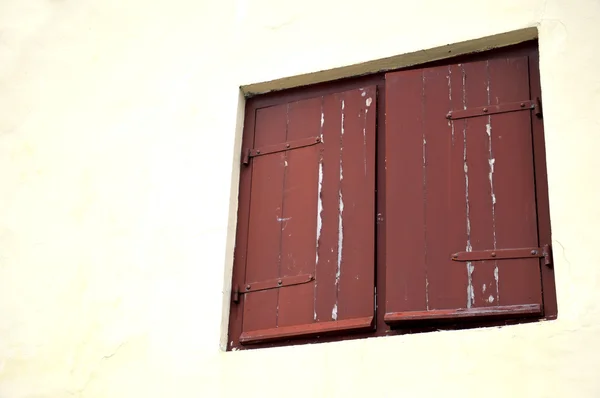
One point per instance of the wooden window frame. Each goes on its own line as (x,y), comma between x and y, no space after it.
(550,310)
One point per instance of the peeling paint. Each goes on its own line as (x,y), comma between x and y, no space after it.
(491,299)
(283,219)
(340,247)
(334,312)
(369,101)
(319,210)
(483,288)
(470,288)
(340,238)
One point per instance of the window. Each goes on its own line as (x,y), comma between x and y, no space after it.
(394,203)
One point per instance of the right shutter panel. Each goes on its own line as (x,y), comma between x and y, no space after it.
(461,183)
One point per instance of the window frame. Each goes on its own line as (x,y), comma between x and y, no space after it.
(253,103)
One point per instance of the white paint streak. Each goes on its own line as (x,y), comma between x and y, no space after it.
(285,163)
(470,287)
(283,219)
(483,288)
(319,210)
(340,247)
(334,312)
(322,122)
(369,101)
(340,239)
(491,177)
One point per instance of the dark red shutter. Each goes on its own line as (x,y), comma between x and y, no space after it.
(462,230)
(308,250)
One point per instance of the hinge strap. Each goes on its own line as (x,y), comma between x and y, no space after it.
(504,254)
(285,146)
(493,109)
(272,284)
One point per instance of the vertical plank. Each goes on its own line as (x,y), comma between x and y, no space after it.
(481,201)
(240,251)
(445,202)
(264,236)
(356,236)
(541,185)
(405,240)
(514,182)
(299,220)
(326,290)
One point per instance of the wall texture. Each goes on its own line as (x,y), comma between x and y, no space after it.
(119,140)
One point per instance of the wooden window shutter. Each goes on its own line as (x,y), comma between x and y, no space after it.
(304,261)
(462,231)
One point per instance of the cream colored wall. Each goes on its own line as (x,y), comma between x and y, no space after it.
(119,132)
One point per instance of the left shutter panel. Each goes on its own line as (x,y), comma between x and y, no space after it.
(309,249)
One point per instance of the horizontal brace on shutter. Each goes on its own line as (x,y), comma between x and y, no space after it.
(505,254)
(285,146)
(494,109)
(308,330)
(481,312)
(272,284)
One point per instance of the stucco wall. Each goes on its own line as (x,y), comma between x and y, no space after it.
(119,132)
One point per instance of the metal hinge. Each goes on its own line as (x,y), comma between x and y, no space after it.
(285,146)
(535,105)
(544,252)
(271,284)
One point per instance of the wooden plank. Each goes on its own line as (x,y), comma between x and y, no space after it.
(356,223)
(307,330)
(405,220)
(444,194)
(508,311)
(264,231)
(327,225)
(240,251)
(299,220)
(541,185)
(459,223)
(481,191)
(514,182)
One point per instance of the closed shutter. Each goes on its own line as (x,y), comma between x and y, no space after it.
(305,244)
(462,231)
